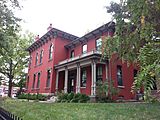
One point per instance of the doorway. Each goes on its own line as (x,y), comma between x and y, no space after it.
(72,81)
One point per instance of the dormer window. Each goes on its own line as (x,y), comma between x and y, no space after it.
(84,49)
(41,56)
(51,51)
(36,62)
(99,44)
(72,54)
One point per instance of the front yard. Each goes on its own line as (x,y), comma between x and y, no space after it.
(83,111)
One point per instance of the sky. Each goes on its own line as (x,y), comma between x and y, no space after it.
(73,16)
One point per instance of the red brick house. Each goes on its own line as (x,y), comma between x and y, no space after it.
(62,61)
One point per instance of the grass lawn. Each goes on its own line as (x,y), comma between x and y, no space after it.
(83,111)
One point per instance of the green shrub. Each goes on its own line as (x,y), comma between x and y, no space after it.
(32,97)
(83,98)
(105,91)
(71,97)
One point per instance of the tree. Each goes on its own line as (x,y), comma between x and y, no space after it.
(137,38)
(14,59)
(8,22)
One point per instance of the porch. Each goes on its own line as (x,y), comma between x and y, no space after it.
(80,74)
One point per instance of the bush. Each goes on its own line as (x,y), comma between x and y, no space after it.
(71,97)
(105,91)
(32,97)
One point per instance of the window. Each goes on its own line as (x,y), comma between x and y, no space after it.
(38,81)
(34,79)
(135,73)
(51,51)
(72,54)
(41,56)
(98,44)
(99,73)
(84,49)
(83,78)
(36,59)
(48,78)
(119,76)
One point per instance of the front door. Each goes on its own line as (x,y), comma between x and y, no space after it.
(72,81)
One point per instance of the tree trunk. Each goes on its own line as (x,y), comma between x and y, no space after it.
(10,87)
(10,80)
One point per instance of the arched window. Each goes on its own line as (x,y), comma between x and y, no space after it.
(34,80)
(83,77)
(72,54)
(84,49)
(36,59)
(38,80)
(119,75)
(98,44)
(48,78)
(51,51)
(41,56)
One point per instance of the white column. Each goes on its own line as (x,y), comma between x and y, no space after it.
(78,79)
(66,80)
(106,71)
(94,71)
(93,85)
(57,77)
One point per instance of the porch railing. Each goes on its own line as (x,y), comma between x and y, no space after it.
(80,56)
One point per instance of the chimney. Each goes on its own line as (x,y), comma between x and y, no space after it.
(49,28)
(37,38)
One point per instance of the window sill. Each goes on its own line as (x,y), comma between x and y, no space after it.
(47,88)
(83,87)
(36,65)
(121,87)
(37,88)
(32,89)
(40,64)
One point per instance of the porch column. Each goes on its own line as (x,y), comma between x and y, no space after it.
(66,80)
(106,71)
(57,77)
(78,78)
(93,86)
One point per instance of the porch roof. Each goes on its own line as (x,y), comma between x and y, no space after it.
(89,55)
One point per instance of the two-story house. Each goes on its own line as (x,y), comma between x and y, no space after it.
(62,61)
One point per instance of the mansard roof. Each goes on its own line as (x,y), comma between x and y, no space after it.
(110,26)
(50,34)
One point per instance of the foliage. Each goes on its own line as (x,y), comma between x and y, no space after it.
(137,38)
(32,97)
(105,91)
(9,24)
(14,59)
(71,97)
(9,27)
